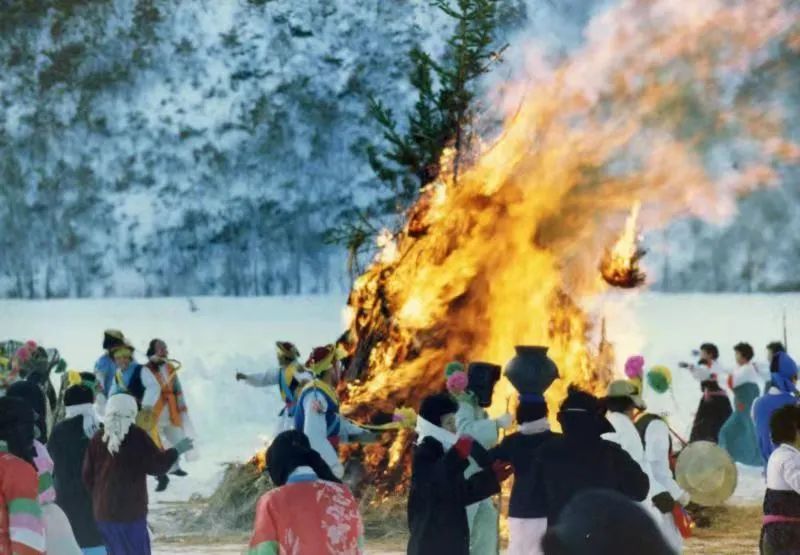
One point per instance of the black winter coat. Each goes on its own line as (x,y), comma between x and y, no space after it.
(67,447)
(437,516)
(520,450)
(569,464)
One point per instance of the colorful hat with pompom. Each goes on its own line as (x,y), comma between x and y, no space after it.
(659,378)
(634,367)
(456,378)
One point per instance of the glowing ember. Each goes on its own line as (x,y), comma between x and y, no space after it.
(620,264)
(507,255)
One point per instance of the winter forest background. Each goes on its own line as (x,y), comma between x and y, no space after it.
(157,148)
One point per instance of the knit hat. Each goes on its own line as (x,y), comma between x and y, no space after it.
(634,366)
(625,389)
(659,378)
(604,522)
(120,415)
(287,350)
(34,397)
(16,427)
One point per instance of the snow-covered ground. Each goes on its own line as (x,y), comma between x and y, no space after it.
(228,334)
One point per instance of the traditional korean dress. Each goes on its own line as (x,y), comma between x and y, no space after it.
(781,525)
(738,434)
(307,515)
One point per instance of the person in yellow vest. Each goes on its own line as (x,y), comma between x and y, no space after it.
(317,414)
(289,376)
(164,414)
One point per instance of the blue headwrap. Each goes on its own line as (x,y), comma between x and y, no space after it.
(787,370)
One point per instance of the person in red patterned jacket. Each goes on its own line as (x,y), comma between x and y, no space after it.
(21,525)
(310,510)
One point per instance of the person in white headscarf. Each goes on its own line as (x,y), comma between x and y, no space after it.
(117,462)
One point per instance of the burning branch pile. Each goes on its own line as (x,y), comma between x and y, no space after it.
(506,255)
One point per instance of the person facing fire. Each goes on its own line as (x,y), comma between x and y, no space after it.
(289,376)
(309,510)
(580,459)
(440,490)
(164,414)
(715,407)
(531,378)
(317,411)
(473,391)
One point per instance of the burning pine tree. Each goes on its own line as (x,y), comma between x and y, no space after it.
(502,251)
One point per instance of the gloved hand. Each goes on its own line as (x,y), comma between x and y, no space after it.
(502,470)
(146,420)
(184,445)
(463,446)
(240,376)
(684,499)
(664,502)
(504,421)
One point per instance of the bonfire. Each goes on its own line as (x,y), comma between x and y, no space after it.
(511,250)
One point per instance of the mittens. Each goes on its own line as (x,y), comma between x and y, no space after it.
(463,446)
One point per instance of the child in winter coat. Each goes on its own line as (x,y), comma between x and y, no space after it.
(780,534)
(310,510)
(440,493)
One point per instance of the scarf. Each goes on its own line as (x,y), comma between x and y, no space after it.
(90,421)
(427,429)
(120,415)
(534,427)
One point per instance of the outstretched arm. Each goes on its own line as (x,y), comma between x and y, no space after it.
(262,379)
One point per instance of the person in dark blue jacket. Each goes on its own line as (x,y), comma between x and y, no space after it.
(781,392)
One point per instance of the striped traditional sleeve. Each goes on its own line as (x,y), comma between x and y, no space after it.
(44,466)
(20,489)
(264,540)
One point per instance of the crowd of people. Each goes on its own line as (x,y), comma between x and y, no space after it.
(78,486)
(606,483)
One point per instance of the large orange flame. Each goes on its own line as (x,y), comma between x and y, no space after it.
(506,254)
